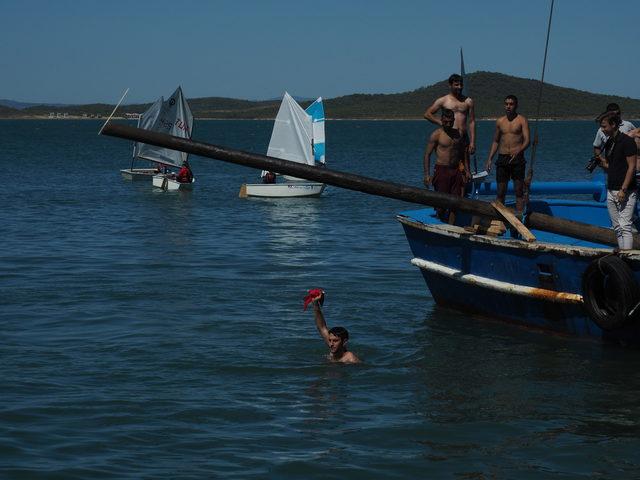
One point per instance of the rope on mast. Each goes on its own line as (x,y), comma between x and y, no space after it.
(535,125)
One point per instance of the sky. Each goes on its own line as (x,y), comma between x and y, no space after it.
(87,51)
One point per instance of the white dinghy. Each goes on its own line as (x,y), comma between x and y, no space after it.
(144,121)
(298,136)
(168,182)
(172,117)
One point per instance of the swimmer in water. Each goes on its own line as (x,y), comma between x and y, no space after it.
(336,338)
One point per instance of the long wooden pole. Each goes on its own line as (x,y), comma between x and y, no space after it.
(359,183)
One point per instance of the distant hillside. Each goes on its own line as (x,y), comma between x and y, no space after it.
(488,90)
(8,112)
(21,105)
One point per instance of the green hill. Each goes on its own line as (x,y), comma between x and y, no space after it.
(487,89)
(8,112)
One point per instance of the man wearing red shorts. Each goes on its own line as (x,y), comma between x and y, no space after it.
(451,170)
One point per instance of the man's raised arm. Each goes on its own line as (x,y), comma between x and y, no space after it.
(432,110)
(321,324)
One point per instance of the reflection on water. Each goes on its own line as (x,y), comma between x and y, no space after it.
(293,229)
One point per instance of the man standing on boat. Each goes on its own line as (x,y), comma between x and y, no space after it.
(619,161)
(601,138)
(510,140)
(452,161)
(463,109)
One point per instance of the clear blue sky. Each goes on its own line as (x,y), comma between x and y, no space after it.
(83,51)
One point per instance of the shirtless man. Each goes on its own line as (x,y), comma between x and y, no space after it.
(510,140)
(336,338)
(452,162)
(462,107)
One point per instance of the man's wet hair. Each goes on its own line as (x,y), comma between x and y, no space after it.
(512,97)
(455,78)
(446,113)
(612,117)
(613,107)
(340,332)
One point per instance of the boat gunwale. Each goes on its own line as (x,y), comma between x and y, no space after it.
(537,246)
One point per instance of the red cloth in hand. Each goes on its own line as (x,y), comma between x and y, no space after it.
(311,295)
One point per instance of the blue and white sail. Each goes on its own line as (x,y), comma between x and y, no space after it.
(292,134)
(172,117)
(316,110)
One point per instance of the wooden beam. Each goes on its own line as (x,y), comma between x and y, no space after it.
(539,221)
(512,220)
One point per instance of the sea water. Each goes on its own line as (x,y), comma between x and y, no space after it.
(151,334)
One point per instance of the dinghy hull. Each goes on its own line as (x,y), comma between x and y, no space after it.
(165,182)
(282,190)
(136,174)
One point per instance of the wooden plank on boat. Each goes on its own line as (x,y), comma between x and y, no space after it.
(243,191)
(512,220)
(496,228)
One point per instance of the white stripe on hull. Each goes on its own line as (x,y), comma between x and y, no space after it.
(505,287)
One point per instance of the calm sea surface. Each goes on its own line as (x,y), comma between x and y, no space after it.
(146,334)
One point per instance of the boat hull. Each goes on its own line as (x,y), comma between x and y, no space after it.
(283,190)
(137,174)
(536,284)
(165,182)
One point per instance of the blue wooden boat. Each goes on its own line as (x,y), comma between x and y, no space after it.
(556,283)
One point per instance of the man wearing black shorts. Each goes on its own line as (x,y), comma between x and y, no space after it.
(510,140)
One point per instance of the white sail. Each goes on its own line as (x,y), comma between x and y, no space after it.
(172,117)
(292,134)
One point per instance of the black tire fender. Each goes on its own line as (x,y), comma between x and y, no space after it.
(610,292)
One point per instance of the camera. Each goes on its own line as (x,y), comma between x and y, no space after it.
(593,163)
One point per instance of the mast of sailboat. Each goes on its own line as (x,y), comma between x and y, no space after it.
(528,180)
(465,91)
(133,153)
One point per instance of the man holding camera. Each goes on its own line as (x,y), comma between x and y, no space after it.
(619,161)
(601,138)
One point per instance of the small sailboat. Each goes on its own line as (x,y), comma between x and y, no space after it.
(298,136)
(172,117)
